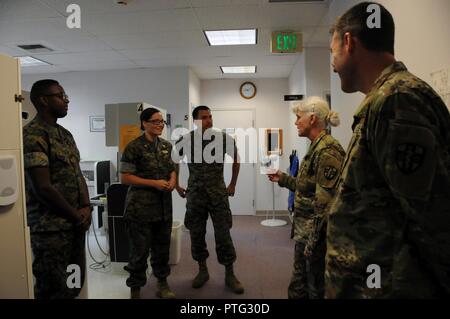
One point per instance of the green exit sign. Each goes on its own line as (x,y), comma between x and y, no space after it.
(286,42)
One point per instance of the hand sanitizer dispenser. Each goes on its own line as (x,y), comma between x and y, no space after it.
(8,180)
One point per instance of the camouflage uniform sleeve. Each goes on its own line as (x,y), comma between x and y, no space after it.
(128,160)
(409,150)
(327,174)
(288,182)
(404,145)
(35,150)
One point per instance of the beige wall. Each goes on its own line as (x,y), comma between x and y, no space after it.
(421,42)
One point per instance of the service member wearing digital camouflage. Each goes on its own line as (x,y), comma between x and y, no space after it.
(314,187)
(207,194)
(58,207)
(147,166)
(389,225)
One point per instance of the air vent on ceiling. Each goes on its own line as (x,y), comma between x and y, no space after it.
(35,48)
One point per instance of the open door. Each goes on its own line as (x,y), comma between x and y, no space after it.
(16,279)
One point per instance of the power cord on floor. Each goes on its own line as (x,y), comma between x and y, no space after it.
(104,265)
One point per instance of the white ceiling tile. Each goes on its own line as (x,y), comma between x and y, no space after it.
(158,33)
(140,22)
(81,57)
(80,43)
(25,9)
(209,3)
(232,17)
(102,65)
(292,15)
(163,39)
(25,30)
(44,69)
(109,6)
(10,51)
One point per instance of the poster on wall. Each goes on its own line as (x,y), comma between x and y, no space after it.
(97,123)
(127,134)
(440,81)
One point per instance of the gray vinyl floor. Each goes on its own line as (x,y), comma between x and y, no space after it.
(264,265)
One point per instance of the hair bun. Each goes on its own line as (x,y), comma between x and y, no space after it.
(333,118)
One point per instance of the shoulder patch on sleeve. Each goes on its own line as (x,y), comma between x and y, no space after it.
(410,159)
(328,170)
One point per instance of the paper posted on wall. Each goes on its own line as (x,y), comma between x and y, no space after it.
(440,81)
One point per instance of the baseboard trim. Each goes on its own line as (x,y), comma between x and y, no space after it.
(270,213)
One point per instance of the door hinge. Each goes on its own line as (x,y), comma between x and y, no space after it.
(18,98)
(253,203)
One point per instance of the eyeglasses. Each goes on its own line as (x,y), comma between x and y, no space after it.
(157,122)
(62,96)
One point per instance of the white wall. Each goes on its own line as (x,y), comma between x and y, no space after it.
(421,42)
(271,112)
(317,68)
(297,85)
(194,91)
(310,76)
(179,204)
(89,91)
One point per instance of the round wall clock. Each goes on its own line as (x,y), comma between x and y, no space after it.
(247,90)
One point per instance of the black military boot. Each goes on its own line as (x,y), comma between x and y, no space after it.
(231,281)
(163,290)
(135,293)
(202,276)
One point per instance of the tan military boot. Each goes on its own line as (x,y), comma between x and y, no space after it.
(135,293)
(232,282)
(202,276)
(163,290)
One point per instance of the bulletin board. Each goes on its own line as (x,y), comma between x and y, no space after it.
(127,134)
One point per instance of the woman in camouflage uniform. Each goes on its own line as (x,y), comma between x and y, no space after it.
(146,166)
(314,187)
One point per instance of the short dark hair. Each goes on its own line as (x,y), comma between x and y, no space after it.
(354,21)
(198,109)
(147,115)
(40,88)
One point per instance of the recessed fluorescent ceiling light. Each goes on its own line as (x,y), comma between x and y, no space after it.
(30,61)
(231,37)
(239,69)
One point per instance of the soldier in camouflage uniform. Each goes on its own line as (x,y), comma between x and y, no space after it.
(58,207)
(147,166)
(392,205)
(314,187)
(208,195)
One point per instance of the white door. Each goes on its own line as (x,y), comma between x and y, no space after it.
(243,201)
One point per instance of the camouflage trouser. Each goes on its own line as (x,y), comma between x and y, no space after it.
(52,253)
(198,206)
(307,281)
(144,238)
